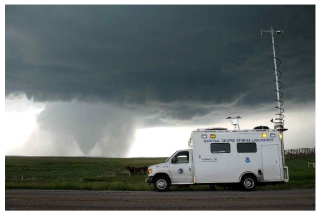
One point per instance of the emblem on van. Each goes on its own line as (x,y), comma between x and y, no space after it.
(180,171)
(247,160)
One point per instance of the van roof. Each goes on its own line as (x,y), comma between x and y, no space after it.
(209,130)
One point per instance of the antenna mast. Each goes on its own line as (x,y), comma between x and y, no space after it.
(279,121)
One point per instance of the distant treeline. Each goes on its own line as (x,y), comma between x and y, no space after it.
(300,152)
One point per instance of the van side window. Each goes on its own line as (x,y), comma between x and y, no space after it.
(246,147)
(220,147)
(181,157)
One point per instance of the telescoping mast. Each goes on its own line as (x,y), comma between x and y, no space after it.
(279,120)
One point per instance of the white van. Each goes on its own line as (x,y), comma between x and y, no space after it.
(222,157)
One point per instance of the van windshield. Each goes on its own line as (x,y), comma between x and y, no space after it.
(169,157)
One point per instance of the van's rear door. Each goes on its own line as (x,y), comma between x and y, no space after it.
(271,162)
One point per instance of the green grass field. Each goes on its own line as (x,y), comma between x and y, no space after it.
(78,173)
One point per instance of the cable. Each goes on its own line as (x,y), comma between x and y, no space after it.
(278,121)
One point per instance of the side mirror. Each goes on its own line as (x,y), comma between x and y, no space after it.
(173,160)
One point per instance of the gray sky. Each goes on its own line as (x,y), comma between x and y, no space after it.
(102,70)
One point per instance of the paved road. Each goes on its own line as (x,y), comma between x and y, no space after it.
(303,199)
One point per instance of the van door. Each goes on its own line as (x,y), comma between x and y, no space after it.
(271,162)
(180,168)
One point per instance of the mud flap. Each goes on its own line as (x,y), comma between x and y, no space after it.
(286,173)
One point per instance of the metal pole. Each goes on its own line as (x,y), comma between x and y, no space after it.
(278,95)
(278,126)
(276,76)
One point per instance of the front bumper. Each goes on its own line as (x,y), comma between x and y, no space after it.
(149,180)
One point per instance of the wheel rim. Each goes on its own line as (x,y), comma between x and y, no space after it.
(161,184)
(249,183)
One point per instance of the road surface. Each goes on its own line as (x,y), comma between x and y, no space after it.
(303,199)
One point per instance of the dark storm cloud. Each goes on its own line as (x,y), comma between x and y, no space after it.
(134,54)
(149,66)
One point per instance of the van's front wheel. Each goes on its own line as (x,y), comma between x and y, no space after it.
(161,183)
(248,183)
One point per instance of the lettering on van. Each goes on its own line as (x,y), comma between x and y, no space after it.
(209,160)
(211,140)
(262,140)
(228,140)
(254,140)
(243,140)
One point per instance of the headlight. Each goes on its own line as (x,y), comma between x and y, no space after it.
(149,171)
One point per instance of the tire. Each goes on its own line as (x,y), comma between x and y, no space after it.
(248,183)
(162,183)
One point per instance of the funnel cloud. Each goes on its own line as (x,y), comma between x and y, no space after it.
(90,124)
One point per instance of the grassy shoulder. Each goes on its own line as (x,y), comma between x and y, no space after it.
(67,173)
(300,176)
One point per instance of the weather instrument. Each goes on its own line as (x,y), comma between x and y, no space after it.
(279,120)
(234,121)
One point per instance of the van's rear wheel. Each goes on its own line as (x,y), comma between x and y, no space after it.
(248,183)
(161,183)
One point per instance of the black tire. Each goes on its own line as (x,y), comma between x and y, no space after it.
(248,183)
(162,183)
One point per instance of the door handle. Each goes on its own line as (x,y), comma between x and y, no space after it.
(189,169)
